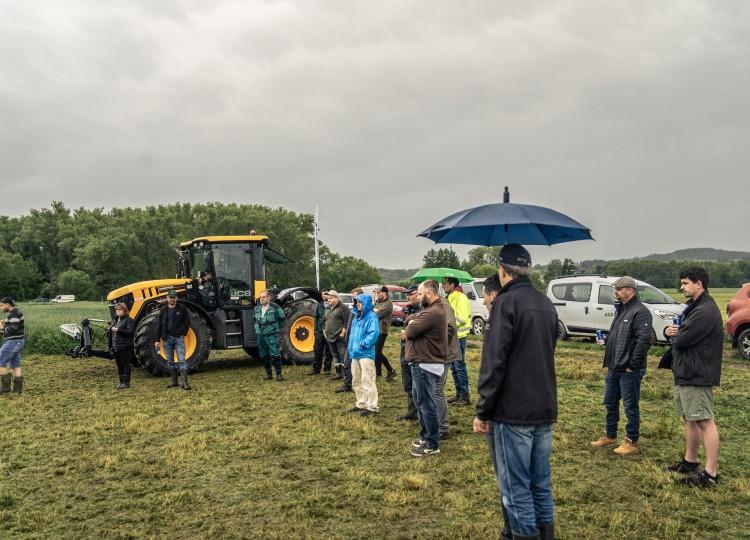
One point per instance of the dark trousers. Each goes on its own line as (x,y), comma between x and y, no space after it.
(321,350)
(621,385)
(380,359)
(123,357)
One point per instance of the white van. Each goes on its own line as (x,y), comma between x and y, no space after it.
(586,304)
(474,291)
(62,298)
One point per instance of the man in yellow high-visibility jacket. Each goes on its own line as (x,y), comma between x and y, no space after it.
(462,309)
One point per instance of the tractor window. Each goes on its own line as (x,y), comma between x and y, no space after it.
(233,275)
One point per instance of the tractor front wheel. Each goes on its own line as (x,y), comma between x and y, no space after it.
(197,344)
(297,340)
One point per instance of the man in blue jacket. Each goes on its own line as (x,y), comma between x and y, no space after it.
(362,339)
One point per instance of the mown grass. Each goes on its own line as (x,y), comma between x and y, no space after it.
(238,457)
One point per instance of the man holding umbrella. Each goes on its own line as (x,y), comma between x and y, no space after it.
(518,394)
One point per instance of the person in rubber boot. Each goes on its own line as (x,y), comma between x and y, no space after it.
(174,325)
(269,320)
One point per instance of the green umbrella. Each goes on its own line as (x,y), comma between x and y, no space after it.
(439,274)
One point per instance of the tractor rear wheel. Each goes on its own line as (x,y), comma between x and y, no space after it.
(297,340)
(197,344)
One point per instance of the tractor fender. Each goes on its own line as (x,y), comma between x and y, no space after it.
(155,304)
(295,293)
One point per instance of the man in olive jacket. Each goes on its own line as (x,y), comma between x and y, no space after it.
(383,308)
(697,348)
(518,394)
(628,342)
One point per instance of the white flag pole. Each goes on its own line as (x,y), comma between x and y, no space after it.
(317,258)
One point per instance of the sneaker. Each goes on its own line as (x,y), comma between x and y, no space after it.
(683,467)
(279,377)
(604,441)
(462,401)
(444,436)
(702,480)
(391,375)
(343,389)
(355,410)
(368,412)
(268,377)
(417,443)
(423,451)
(337,377)
(626,448)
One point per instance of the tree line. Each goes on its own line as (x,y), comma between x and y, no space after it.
(90,252)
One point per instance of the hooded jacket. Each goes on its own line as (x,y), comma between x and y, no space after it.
(698,347)
(365,330)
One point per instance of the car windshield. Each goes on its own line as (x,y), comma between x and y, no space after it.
(651,295)
(398,296)
(345,298)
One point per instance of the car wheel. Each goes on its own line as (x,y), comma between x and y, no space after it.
(562,333)
(743,343)
(477,326)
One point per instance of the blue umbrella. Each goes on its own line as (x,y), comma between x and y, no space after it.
(507,223)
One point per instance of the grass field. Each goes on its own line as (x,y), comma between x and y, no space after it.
(239,457)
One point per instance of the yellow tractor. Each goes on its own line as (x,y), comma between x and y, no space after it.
(219,279)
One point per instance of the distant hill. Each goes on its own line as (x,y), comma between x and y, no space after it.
(690,254)
(400,274)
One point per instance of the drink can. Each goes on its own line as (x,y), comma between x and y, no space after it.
(677,321)
(158,348)
(600,337)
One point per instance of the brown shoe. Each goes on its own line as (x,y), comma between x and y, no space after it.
(462,401)
(626,448)
(604,441)
(453,399)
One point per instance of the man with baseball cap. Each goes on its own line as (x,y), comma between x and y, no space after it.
(518,394)
(174,325)
(10,353)
(627,344)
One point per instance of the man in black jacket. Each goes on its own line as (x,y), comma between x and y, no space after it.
(697,348)
(518,394)
(628,342)
(174,324)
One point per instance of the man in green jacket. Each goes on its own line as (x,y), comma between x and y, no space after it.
(383,308)
(269,320)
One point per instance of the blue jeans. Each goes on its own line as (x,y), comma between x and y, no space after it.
(626,386)
(423,392)
(172,344)
(458,369)
(10,353)
(522,455)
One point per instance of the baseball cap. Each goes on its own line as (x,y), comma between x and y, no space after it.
(333,293)
(515,255)
(7,300)
(625,281)
(412,289)
(171,294)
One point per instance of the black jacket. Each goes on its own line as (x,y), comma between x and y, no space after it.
(123,338)
(517,376)
(180,322)
(629,337)
(698,347)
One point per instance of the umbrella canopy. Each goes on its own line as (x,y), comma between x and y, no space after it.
(507,223)
(439,274)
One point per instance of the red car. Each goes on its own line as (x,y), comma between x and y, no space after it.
(398,297)
(738,323)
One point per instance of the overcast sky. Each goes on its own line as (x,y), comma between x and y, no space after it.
(631,117)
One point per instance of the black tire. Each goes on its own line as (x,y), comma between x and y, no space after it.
(197,344)
(477,326)
(297,339)
(562,333)
(743,344)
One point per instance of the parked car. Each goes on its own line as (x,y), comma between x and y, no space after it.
(586,304)
(738,321)
(347,300)
(397,295)
(39,300)
(474,291)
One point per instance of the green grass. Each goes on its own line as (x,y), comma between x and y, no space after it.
(238,457)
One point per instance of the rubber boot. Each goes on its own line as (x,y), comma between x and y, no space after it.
(119,386)
(546,532)
(338,375)
(277,366)
(183,376)
(18,385)
(269,369)
(173,373)
(411,409)
(5,383)
(125,382)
